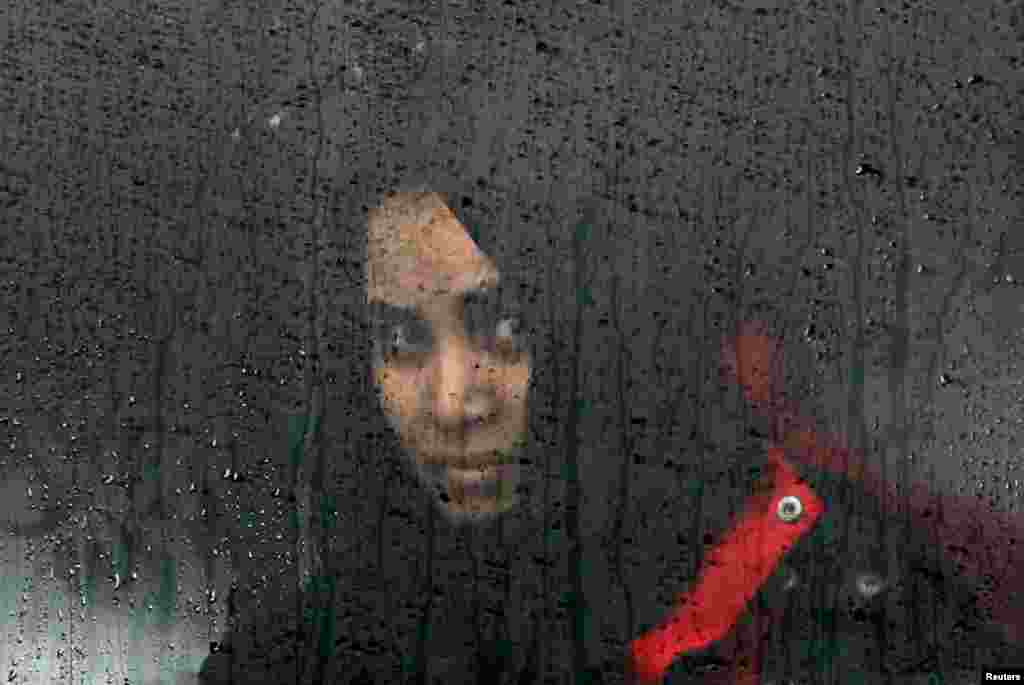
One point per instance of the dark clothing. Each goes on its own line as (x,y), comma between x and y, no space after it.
(825,574)
(844,592)
(865,595)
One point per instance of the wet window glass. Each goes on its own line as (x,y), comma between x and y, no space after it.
(577,343)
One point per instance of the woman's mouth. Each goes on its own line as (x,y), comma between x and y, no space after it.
(488,481)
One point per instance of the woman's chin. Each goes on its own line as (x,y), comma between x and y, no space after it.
(475,509)
(467,495)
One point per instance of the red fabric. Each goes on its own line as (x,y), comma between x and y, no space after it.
(737,567)
(982,539)
(730,576)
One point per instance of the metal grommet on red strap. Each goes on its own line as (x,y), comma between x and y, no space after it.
(790,508)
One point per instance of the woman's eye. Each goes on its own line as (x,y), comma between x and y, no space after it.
(490,323)
(507,328)
(505,337)
(403,340)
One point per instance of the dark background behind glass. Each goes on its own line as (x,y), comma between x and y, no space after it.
(166,169)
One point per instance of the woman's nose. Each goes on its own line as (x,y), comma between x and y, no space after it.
(458,391)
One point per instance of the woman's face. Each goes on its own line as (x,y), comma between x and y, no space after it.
(451,367)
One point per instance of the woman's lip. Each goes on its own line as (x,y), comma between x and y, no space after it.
(489,482)
(466,462)
(479,475)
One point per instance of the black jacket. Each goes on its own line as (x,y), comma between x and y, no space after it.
(858,592)
(867,594)
(827,574)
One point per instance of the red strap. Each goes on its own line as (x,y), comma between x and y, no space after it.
(983,540)
(730,576)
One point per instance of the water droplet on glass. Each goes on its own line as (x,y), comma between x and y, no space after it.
(867,170)
(870,584)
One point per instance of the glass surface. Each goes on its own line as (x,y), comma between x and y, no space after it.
(454,343)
